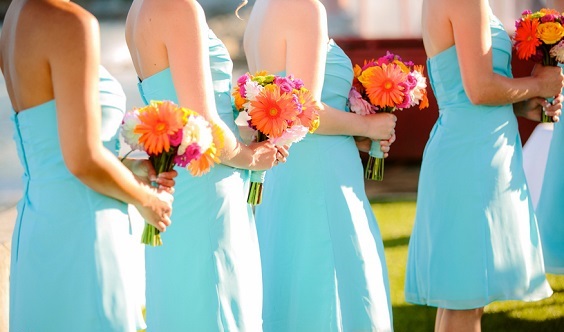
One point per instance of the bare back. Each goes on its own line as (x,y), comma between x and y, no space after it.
(436,27)
(24,46)
(264,41)
(290,36)
(144,40)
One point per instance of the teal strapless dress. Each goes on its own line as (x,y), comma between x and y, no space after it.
(206,276)
(550,209)
(475,238)
(322,253)
(71,246)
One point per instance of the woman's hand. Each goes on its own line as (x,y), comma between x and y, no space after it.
(145,172)
(550,80)
(264,155)
(282,154)
(531,109)
(364,143)
(380,126)
(157,208)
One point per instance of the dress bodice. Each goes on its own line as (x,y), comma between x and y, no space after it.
(160,86)
(37,137)
(444,69)
(338,77)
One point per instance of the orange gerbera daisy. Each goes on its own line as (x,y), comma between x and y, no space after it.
(527,39)
(202,165)
(271,111)
(158,121)
(310,110)
(382,85)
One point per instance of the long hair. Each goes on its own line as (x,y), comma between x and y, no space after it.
(241,5)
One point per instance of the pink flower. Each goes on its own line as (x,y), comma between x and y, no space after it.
(241,84)
(358,105)
(291,135)
(298,84)
(176,138)
(284,83)
(192,152)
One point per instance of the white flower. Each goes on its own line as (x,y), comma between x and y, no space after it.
(291,135)
(197,130)
(130,121)
(252,89)
(243,119)
(417,94)
(557,52)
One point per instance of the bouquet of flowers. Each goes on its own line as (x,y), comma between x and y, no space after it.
(172,135)
(539,37)
(276,108)
(385,85)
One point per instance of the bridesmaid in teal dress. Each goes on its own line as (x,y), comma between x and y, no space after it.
(550,208)
(475,238)
(206,276)
(321,249)
(72,243)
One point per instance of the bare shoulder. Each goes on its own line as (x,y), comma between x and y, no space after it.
(178,8)
(68,25)
(310,10)
(172,16)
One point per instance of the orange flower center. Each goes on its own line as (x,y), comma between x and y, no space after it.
(160,127)
(388,85)
(273,112)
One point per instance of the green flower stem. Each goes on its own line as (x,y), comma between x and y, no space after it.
(163,162)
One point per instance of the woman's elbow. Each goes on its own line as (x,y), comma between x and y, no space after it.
(80,165)
(477,96)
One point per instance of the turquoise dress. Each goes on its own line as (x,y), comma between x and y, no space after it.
(206,275)
(71,246)
(322,253)
(550,209)
(475,238)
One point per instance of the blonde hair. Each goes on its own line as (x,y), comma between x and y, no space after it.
(241,5)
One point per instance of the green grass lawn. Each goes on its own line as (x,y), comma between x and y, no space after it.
(395,221)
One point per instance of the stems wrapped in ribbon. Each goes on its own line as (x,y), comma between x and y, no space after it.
(172,135)
(385,85)
(279,109)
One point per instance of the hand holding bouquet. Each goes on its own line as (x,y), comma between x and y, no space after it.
(172,135)
(539,37)
(385,85)
(276,108)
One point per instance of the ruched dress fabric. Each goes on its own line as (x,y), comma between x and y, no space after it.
(475,239)
(550,209)
(71,246)
(322,253)
(206,275)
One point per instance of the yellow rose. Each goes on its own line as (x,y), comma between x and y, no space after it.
(550,32)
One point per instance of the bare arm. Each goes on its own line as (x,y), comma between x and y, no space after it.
(472,36)
(306,39)
(186,39)
(74,60)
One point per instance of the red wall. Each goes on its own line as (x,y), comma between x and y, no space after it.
(414,125)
